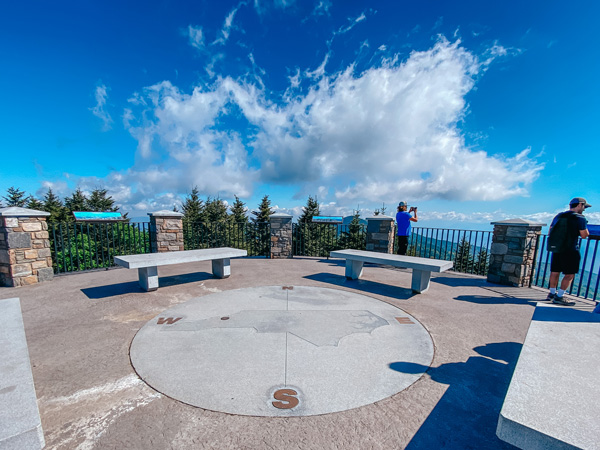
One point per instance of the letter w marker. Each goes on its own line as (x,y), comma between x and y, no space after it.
(168,320)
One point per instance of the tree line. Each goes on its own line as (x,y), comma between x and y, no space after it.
(194,209)
(61,210)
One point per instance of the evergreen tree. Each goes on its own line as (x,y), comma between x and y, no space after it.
(15,197)
(76,202)
(193,208)
(215,210)
(260,235)
(34,203)
(463,260)
(99,202)
(264,211)
(354,237)
(238,211)
(193,220)
(54,206)
(381,210)
(309,211)
(482,263)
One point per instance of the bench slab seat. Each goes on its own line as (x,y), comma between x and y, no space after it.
(553,400)
(147,263)
(20,424)
(421,267)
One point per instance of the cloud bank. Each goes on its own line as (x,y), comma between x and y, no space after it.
(391,130)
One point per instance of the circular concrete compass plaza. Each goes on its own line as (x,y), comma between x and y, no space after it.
(281,351)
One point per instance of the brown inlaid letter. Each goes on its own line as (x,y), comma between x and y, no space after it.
(404,320)
(288,401)
(167,320)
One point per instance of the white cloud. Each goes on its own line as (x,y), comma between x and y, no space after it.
(101,94)
(227,26)
(322,8)
(375,134)
(196,37)
(59,188)
(261,6)
(353,23)
(392,130)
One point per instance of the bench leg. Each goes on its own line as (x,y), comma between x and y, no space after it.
(353,269)
(221,268)
(420,280)
(148,277)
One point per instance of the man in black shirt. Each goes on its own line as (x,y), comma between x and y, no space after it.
(567,260)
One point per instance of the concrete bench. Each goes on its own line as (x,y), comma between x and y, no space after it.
(553,400)
(147,264)
(421,267)
(20,424)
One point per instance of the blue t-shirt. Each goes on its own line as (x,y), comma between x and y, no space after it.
(403,223)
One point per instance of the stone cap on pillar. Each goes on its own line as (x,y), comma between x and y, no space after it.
(166,213)
(15,211)
(380,217)
(280,216)
(519,223)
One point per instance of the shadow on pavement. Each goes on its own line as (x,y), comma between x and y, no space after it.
(132,287)
(371,287)
(458,281)
(467,414)
(495,300)
(564,314)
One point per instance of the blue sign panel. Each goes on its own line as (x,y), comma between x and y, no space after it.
(328,219)
(87,216)
(594,231)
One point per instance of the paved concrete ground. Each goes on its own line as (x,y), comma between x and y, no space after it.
(80,327)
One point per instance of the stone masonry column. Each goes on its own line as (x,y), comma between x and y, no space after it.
(166,231)
(25,256)
(513,252)
(281,236)
(380,234)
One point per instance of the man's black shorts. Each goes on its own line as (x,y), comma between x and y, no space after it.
(566,262)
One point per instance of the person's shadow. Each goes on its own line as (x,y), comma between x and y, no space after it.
(467,414)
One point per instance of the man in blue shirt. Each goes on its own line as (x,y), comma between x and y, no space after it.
(567,260)
(403,220)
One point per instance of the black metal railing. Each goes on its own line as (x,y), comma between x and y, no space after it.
(86,246)
(255,238)
(468,249)
(586,282)
(318,239)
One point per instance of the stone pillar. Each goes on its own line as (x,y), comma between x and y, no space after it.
(512,256)
(380,234)
(25,256)
(281,236)
(166,231)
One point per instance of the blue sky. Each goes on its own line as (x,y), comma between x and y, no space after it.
(474,111)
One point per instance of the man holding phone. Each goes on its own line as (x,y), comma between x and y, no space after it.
(403,220)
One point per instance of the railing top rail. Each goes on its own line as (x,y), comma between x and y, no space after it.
(450,229)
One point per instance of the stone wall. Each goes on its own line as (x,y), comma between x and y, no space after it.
(25,256)
(380,234)
(281,236)
(166,231)
(513,252)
